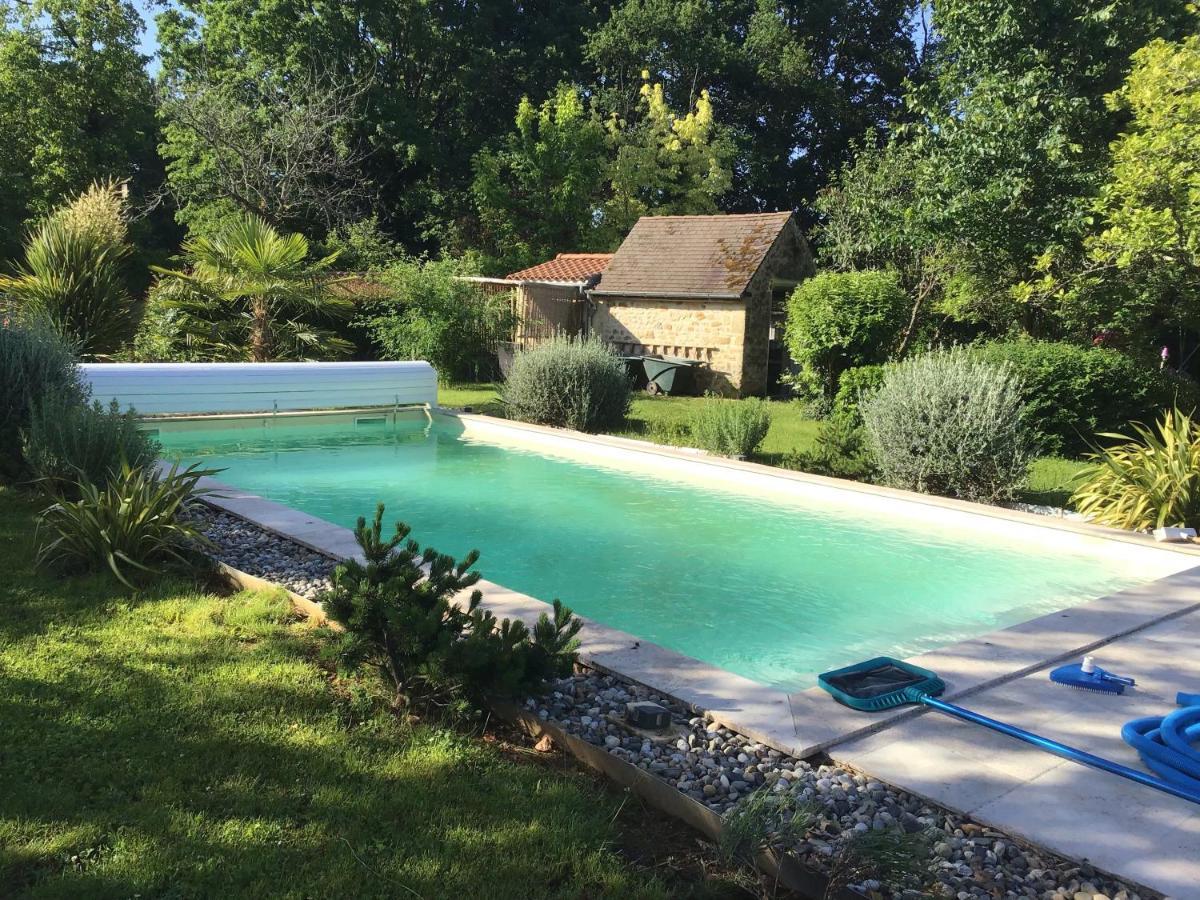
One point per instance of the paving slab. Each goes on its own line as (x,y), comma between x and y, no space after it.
(977,663)
(1132,831)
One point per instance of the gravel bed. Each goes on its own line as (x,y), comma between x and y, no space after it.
(717,766)
(259,552)
(1041,509)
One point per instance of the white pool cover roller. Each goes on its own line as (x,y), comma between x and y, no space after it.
(199,388)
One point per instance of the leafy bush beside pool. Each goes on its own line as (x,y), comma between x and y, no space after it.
(68,441)
(34,362)
(567,383)
(133,525)
(432,314)
(949,423)
(1149,481)
(110,508)
(853,386)
(731,427)
(841,450)
(842,320)
(1072,392)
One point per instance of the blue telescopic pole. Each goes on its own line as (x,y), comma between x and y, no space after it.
(1063,750)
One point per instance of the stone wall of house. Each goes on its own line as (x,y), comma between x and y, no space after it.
(712,331)
(755,340)
(789,259)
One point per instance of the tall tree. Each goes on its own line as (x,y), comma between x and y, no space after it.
(538,191)
(1012,131)
(572,177)
(991,181)
(874,216)
(444,79)
(663,164)
(796,81)
(281,151)
(1150,204)
(76,106)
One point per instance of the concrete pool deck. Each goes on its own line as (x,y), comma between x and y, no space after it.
(1119,826)
(906,747)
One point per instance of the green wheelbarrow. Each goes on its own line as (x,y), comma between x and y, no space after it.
(635,370)
(670,374)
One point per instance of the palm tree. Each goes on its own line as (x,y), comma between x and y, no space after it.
(252,292)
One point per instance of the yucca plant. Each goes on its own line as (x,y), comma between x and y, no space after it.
(128,526)
(73,274)
(1150,481)
(252,293)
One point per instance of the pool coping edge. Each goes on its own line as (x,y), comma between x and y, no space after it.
(800,723)
(693,455)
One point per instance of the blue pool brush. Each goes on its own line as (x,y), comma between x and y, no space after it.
(1088,676)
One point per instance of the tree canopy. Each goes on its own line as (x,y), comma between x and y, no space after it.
(76,106)
(1150,203)
(574,177)
(989,188)
(792,85)
(1020,166)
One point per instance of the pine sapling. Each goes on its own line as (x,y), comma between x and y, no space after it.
(402,616)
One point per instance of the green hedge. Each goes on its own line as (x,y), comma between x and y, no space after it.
(1072,392)
(842,320)
(851,387)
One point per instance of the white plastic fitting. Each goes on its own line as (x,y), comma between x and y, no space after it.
(1174,534)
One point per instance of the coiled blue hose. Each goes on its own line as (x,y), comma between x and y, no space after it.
(1170,745)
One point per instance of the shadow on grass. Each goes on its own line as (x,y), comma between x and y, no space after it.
(183,771)
(186,745)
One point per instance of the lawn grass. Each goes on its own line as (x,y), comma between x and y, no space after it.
(183,744)
(484,398)
(789,432)
(1050,479)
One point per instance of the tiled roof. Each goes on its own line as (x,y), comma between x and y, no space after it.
(688,256)
(358,286)
(570,267)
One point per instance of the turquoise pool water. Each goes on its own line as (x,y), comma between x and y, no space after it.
(775,590)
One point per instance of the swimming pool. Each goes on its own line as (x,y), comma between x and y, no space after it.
(776,580)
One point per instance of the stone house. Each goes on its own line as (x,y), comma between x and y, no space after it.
(710,288)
